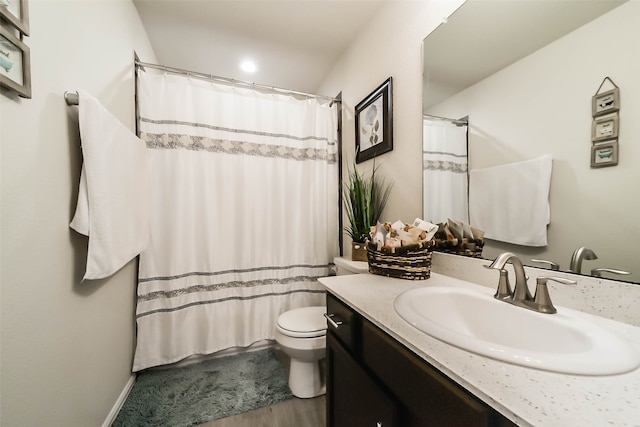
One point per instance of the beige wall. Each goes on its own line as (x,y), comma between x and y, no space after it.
(390,46)
(66,346)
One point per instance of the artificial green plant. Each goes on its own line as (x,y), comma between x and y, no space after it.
(364,201)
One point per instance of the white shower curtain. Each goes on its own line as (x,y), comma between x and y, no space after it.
(444,171)
(244,214)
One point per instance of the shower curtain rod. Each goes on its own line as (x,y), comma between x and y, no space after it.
(463,121)
(205,76)
(71,98)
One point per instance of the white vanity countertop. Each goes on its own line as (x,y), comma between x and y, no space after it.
(526,396)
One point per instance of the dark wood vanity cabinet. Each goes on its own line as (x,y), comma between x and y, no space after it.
(354,398)
(374,381)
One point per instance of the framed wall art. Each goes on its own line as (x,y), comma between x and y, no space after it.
(604,154)
(16,12)
(15,64)
(374,123)
(605,102)
(604,128)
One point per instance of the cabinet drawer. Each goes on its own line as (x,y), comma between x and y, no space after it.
(429,395)
(344,323)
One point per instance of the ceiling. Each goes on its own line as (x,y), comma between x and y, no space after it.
(482,37)
(294,43)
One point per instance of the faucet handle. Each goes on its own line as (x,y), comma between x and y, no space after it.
(542,298)
(597,272)
(552,265)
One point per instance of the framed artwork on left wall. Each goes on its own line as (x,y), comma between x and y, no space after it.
(16,12)
(15,64)
(374,123)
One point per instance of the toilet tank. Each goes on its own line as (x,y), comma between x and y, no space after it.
(346,266)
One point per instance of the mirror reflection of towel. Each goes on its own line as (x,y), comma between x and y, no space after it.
(511,202)
(112,208)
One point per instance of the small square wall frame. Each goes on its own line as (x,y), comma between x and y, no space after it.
(605,128)
(15,64)
(604,154)
(605,102)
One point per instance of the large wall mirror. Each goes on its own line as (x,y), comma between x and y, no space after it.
(519,76)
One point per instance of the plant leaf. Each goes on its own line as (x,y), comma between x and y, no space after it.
(364,200)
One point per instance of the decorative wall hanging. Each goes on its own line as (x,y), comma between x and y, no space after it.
(604,154)
(16,12)
(374,123)
(604,128)
(15,64)
(606,102)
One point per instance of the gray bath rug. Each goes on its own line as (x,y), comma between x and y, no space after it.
(205,391)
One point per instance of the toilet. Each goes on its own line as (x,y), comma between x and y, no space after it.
(301,334)
(346,266)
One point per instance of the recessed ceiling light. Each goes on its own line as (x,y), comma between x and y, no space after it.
(248,66)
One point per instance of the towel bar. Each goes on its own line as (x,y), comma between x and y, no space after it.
(71,98)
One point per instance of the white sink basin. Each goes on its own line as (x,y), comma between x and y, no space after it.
(477,322)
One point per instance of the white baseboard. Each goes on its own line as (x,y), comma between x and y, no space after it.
(120,401)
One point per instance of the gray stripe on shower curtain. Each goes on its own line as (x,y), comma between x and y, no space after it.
(237,131)
(202,273)
(219,300)
(198,143)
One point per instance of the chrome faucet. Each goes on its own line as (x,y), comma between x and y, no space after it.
(580,254)
(521,290)
(520,296)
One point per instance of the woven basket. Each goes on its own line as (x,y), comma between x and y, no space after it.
(466,247)
(408,262)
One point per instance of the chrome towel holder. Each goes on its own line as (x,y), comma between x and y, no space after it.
(71,98)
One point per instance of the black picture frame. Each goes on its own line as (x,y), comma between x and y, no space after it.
(17,15)
(15,64)
(374,123)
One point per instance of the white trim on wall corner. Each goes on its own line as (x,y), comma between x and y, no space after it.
(120,401)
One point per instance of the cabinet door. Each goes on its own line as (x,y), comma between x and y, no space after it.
(353,399)
(431,399)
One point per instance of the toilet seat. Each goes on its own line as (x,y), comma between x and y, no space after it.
(305,322)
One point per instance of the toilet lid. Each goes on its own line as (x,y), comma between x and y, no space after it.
(305,322)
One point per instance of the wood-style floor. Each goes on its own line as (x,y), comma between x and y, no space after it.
(290,413)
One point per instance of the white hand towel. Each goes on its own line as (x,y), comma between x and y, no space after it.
(112,208)
(511,202)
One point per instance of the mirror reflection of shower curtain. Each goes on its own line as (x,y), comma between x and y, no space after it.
(244,214)
(444,171)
